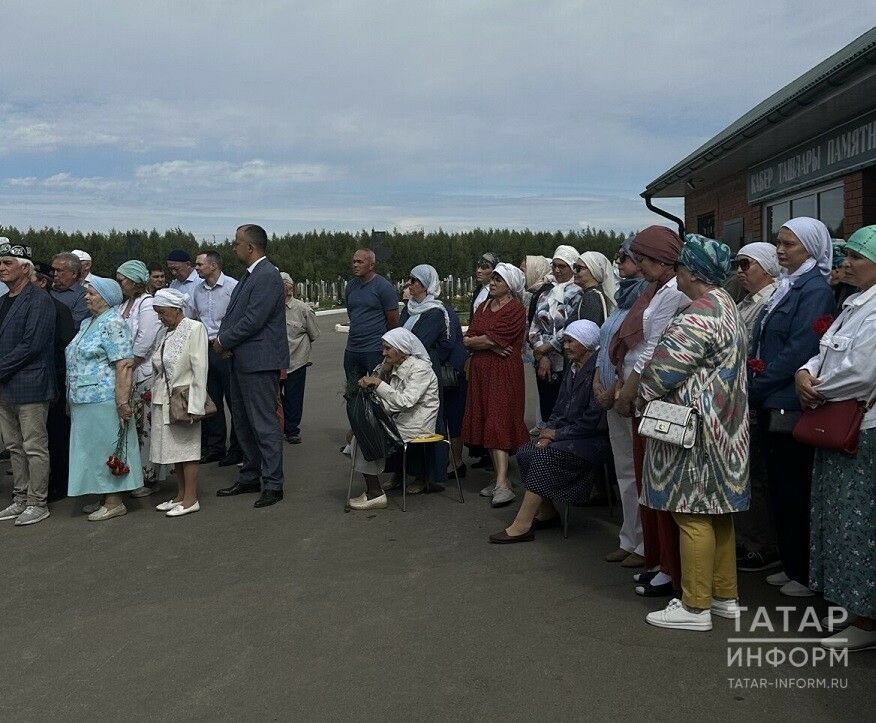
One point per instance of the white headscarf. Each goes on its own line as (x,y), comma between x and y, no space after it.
(816,240)
(428,277)
(585,332)
(605,272)
(512,276)
(557,295)
(170,298)
(538,271)
(764,254)
(406,343)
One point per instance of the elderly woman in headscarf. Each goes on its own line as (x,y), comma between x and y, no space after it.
(786,337)
(757,266)
(546,330)
(655,250)
(180,359)
(100,365)
(561,465)
(136,309)
(700,362)
(408,389)
(591,297)
(496,391)
(842,290)
(483,271)
(843,519)
(537,278)
(631,549)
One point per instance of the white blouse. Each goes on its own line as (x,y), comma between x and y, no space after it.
(144,324)
(665,304)
(846,359)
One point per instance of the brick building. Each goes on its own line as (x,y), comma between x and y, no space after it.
(807,150)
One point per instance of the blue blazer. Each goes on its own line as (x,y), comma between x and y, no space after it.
(254,326)
(27,349)
(579,421)
(787,341)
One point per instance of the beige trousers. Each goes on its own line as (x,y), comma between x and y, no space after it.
(23,427)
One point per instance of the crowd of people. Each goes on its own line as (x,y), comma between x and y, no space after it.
(677,368)
(688,374)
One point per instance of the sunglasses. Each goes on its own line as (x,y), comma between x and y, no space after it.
(743,264)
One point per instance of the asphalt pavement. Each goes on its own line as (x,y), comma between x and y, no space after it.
(301,611)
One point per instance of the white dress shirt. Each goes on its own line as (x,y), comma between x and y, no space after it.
(211,302)
(666,302)
(846,359)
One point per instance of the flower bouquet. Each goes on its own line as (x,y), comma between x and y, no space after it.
(118,460)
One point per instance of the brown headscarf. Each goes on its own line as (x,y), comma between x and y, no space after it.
(661,244)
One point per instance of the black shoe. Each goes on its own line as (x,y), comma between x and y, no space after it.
(238,488)
(640,578)
(649,590)
(756,562)
(293,439)
(212,457)
(554,521)
(231,459)
(268,498)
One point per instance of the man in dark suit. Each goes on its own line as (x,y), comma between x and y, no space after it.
(253,335)
(27,383)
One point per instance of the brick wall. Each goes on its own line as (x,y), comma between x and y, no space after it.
(727,199)
(860,199)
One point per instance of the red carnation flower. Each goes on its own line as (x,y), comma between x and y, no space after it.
(146,396)
(756,366)
(822,323)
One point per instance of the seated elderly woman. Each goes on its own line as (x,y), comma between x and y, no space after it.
(408,389)
(562,463)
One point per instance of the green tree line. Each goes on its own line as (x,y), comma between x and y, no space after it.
(323,255)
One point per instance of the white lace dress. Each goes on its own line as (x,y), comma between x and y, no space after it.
(172,443)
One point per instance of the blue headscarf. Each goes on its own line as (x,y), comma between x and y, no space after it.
(108,289)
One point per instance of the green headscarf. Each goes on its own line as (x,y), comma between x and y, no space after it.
(134,270)
(705,258)
(863,242)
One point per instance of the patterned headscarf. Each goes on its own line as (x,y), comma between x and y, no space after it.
(838,256)
(705,258)
(134,270)
(108,289)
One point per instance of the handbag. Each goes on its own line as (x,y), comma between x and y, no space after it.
(833,425)
(449,378)
(782,421)
(675,424)
(178,399)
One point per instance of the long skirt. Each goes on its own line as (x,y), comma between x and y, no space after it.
(94,429)
(842,530)
(555,474)
(152,472)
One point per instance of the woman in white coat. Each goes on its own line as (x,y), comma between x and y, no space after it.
(408,389)
(179,360)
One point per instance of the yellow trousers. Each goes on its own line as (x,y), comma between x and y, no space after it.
(708,558)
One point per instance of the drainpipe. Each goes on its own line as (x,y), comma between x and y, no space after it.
(665,214)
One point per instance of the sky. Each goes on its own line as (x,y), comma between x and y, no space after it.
(347,115)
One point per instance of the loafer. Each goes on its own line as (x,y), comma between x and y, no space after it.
(238,488)
(677,617)
(105,513)
(633,560)
(618,555)
(726,609)
(550,522)
(833,625)
(165,506)
(851,638)
(488,490)
(268,498)
(293,439)
(778,579)
(502,496)
(503,538)
(363,503)
(179,510)
(649,590)
(792,588)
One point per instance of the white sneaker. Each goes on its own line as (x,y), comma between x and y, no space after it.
(795,589)
(778,579)
(13,511)
(488,490)
(165,506)
(852,638)
(726,609)
(107,514)
(675,616)
(32,514)
(179,510)
(363,503)
(502,496)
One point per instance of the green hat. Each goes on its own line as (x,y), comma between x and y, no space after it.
(863,242)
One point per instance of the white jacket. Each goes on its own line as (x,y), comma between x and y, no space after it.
(411,397)
(190,368)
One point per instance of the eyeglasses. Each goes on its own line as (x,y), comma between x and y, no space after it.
(743,264)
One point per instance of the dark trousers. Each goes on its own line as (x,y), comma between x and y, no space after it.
(789,483)
(293,401)
(358,364)
(754,527)
(548,391)
(58,430)
(213,429)
(254,408)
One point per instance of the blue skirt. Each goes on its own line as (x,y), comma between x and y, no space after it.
(93,432)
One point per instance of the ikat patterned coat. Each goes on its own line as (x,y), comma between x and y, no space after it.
(712,477)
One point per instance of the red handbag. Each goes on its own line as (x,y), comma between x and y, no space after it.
(833,425)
